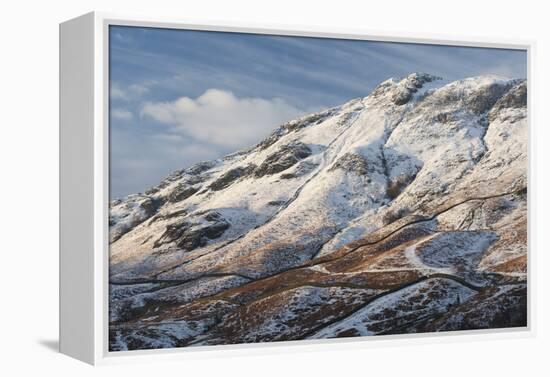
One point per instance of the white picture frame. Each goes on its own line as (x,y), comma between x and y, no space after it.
(84,184)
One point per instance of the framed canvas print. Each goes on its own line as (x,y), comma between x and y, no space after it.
(232,186)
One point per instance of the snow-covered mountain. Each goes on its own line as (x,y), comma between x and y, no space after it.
(403,211)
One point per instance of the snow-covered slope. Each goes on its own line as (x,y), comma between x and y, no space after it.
(422,178)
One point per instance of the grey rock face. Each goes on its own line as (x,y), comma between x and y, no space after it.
(182,192)
(351,162)
(403,92)
(294,125)
(134,212)
(287,156)
(482,100)
(400,93)
(272,138)
(167,216)
(515,98)
(231,176)
(190,233)
(200,167)
(301,169)
(276,203)
(307,121)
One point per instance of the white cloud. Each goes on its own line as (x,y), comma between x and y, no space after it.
(116,92)
(130,92)
(122,114)
(140,89)
(219,117)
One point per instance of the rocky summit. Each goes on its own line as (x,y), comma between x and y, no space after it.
(401,212)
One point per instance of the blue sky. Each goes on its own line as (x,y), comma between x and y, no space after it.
(178,96)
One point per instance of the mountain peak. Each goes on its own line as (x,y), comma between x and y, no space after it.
(401,90)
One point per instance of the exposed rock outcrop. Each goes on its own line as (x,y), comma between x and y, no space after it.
(351,162)
(231,176)
(288,155)
(193,231)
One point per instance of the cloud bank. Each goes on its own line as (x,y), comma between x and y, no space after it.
(219,117)
(122,114)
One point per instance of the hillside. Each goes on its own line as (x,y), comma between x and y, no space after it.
(404,211)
